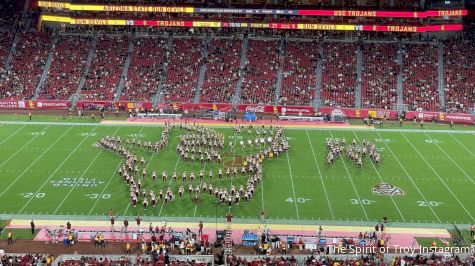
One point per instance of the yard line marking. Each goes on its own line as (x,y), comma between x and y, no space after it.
(146,167)
(196,205)
(110,178)
(293,187)
(13,134)
(463,146)
(83,174)
(381,178)
(320,174)
(171,179)
(234,155)
(438,176)
(33,163)
(451,159)
(353,184)
(409,176)
(22,147)
(54,172)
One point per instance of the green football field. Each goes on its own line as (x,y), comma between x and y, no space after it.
(54,169)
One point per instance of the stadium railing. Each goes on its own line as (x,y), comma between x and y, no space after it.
(300,118)
(132,259)
(159,115)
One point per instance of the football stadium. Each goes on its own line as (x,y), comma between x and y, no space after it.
(257,132)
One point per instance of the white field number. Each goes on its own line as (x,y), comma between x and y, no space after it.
(86,134)
(431,203)
(33,195)
(299,200)
(95,196)
(38,133)
(362,201)
(383,140)
(432,141)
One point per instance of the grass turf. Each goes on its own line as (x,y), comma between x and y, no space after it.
(54,169)
(19,234)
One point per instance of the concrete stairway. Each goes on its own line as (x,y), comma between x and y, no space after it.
(201,76)
(242,66)
(123,77)
(163,75)
(90,55)
(46,67)
(280,71)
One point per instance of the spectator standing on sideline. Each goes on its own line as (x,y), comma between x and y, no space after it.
(68,226)
(126,224)
(229,218)
(472,230)
(112,223)
(138,220)
(200,228)
(127,248)
(10,237)
(32,224)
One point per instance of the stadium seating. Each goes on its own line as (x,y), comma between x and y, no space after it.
(27,63)
(106,68)
(420,77)
(222,70)
(67,66)
(299,73)
(261,71)
(379,76)
(24,259)
(145,69)
(94,261)
(339,74)
(5,44)
(9,10)
(459,76)
(183,70)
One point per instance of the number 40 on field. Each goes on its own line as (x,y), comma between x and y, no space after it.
(299,200)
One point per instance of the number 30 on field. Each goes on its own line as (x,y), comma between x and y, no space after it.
(95,196)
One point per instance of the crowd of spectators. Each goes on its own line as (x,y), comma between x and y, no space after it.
(379,75)
(433,259)
(26,259)
(26,67)
(459,76)
(145,69)
(339,74)
(106,68)
(222,70)
(66,69)
(9,11)
(420,78)
(259,82)
(264,260)
(299,73)
(5,45)
(183,70)
(96,261)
